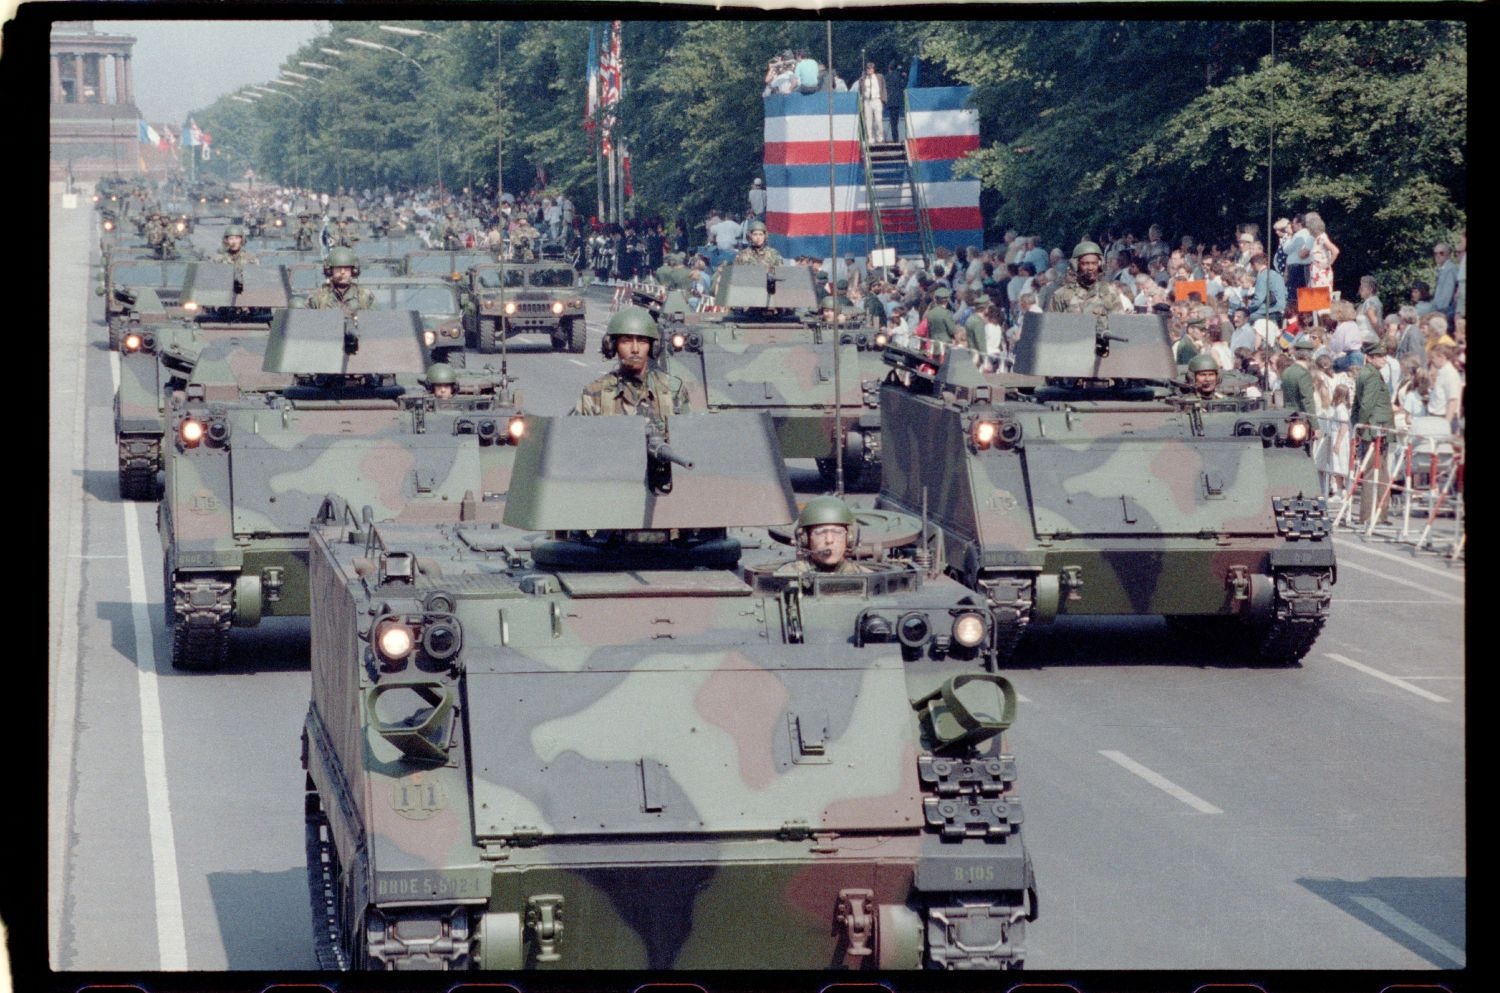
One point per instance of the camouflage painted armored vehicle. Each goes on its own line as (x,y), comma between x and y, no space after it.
(591,737)
(1091,482)
(245,471)
(218,303)
(448,265)
(525,298)
(768,351)
(140,291)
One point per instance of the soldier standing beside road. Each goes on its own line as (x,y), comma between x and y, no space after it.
(940,322)
(758,197)
(1296,381)
(823,533)
(342,269)
(1087,293)
(634,388)
(1372,397)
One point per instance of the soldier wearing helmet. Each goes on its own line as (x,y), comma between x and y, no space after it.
(634,387)
(441,380)
(823,537)
(233,247)
(342,234)
(941,324)
(342,269)
(1205,375)
(1085,292)
(758,251)
(1297,381)
(306,234)
(451,233)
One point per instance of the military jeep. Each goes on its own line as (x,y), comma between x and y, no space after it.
(525,298)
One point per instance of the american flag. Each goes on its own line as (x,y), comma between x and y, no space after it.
(611,68)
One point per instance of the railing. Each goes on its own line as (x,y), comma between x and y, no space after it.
(923,225)
(876,222)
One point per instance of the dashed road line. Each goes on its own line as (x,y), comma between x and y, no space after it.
(1405,560)
(1346,564)
(1161,782)
(1387,677)
(1400,921)
(579,363)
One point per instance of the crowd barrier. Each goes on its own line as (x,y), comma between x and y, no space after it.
(1421,466)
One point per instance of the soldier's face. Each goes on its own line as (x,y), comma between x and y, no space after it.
(757,238)
(634,351)
(1207,381)
(233,242)
(826,545)
(341,275)
(1088,269)
(443,391)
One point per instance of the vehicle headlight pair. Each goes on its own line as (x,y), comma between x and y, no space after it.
(396,637)
(689,340)
(994,432)
(194,429)
(489,431)
(915,631)
(135,341)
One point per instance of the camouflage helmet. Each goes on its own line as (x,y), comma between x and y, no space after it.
(440,373)
(1304,343)
(828,303)
(755,226)
(825,510)
(1202,362)
(234,229)
(1086,248)
(340,255)
(635,321)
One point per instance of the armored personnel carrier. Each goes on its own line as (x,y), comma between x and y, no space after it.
(543,297)
(591,737)
(217,303)
(1091,482)
(769,350)
(245,471)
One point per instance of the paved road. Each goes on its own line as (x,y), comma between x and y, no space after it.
(1182,814)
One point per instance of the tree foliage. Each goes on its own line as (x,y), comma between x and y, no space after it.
(1087,125)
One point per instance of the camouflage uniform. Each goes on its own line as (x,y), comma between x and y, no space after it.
(800,566)
(307,235)
(613,393)
(1101,299)
(342,234)
(238,258)
(355,298)
(764,255)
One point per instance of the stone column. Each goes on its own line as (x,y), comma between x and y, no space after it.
(119,79)
(77,78)
(57,94)
(129,79)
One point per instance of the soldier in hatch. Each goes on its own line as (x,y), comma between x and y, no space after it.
(758,251)
(824,529)
(1086,293)
(233,247)
(634,387)
(342,269)
(1205,375)
(441,380)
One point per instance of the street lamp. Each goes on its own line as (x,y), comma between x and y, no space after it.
(315,65)
(296,75)
(377,46)
(235,96)
(332,51)
(409,32)
(284,82)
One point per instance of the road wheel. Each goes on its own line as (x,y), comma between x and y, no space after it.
(488,334)
(578,335)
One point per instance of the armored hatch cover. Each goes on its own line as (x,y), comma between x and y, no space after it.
(222,284)
(590,473)
(1064,346)
(755,287)
(314,342)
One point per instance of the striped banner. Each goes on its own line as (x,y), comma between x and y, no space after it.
(942,127)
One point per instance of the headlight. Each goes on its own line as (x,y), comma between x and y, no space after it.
(191,432)
(109,225)
(277,222)
(394,641)
(516,429)
(557,307)
(181,227)
(913,630)
(880,339)
(510,307)
(678,340)
(132,342)
(984,433)
(189,305)
(429,336)
(1297,431)
(968,630)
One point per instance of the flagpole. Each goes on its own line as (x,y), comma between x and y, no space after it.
(833,270)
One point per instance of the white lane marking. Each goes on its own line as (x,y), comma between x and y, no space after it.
(1161,782)
(1394,603)
(578,362)
(1406,560)
(1393,680)
(1345,564)
(1399,920)
(171,939)
(99,555)
(1022,699)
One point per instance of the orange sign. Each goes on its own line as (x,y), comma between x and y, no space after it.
(1181,291)
(1311,299)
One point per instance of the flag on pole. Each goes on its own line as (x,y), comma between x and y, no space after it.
(591,74)
(610,67)
(195,137)
(147,134)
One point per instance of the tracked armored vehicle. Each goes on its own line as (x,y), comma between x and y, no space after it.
(608,733)
(770,351)
(544,297)
(245,471)
(217,303)
(1091,482)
